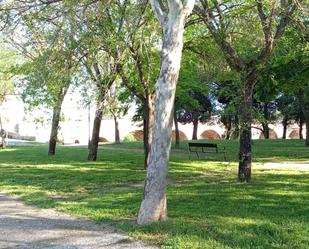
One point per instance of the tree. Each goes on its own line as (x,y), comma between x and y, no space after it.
(47,45)
(226,92)
(103,77)
(264,104)
(8,58)
(194,109)
(171,16)
(192,103)
(140,65)
(290,110)
(98,27)
(117,107)
(291,67)
(266,22)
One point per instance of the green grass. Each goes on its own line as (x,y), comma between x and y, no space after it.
(207,207)
(263,150)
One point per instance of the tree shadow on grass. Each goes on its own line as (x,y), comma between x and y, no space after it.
(272,212)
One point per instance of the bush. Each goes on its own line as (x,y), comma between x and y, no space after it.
(129,138)
(103,140)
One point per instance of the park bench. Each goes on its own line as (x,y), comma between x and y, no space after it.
(205,148)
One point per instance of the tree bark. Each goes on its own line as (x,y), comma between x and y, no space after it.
(304,102)
(265,130)
(54,131)
(117,133)
(236,132)
(195,127)
(153,207)
(93,148)
(285,126)
(145,139)
(301,123)
(148,127)
(265,124)
(55,121)
(228,127)
(177,136)
(2,136)
(245,121)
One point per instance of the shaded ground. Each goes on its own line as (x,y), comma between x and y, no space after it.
(27,227)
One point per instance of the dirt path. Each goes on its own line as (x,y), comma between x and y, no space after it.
(287,165)
(27,227)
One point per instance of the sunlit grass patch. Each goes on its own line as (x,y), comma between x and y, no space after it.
(207,206)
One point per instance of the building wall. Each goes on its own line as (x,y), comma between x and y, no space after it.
(76,125)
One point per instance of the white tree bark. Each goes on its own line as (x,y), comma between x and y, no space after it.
(172,20)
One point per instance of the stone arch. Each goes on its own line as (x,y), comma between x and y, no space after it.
(139,135)
(182,135)
(294,134)
(210,134)
(272,134)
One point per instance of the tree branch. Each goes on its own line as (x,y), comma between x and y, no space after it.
(159,10)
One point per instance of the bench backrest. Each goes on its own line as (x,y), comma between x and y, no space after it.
(205,145)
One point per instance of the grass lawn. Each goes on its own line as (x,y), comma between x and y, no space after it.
(207,207)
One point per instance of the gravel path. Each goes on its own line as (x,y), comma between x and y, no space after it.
(27,227)
(287,165)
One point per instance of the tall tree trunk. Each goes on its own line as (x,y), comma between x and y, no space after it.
(54,131)
(245,121)
(285,126)
(301,123)
(265,130)
(117,134)
(93,148)
(177,136)
(55,122)
(148,127)
(236,132)
(195,127)
(145,139)
(228,128)
(2,136)
(153,207)
(265,124)
(304,102)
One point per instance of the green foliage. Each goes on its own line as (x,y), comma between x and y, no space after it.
(129,138)
(117,106)
(8,59)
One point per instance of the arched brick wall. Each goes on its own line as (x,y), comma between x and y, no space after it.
(139,135)
(272,134)
(182,135)
(294,134)
(210,134)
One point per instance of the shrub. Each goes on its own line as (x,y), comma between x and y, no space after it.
(129,138)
